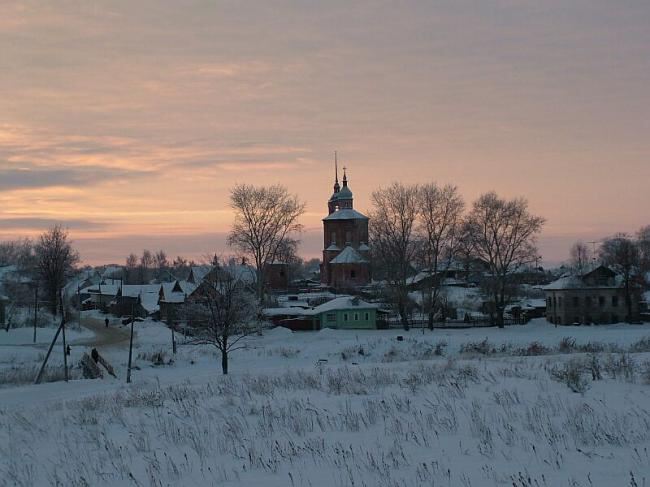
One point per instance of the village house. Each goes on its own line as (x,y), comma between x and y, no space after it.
(344,312)
(597,296)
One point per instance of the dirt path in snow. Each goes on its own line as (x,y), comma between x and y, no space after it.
(113,335)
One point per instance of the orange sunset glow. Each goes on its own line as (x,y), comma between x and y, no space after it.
(129,122)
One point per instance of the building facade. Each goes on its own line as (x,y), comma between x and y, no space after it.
(345,263)
(595,297)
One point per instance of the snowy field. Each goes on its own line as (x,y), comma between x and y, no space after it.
(481,407)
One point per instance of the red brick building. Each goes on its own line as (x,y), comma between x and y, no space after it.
(345,241)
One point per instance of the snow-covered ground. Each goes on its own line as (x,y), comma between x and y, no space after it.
(342,408)
(25,336)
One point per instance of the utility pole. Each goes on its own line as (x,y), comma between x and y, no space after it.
(65,355)
(593,251)
(128,372)
(35,308)
(79,303)
(47,356)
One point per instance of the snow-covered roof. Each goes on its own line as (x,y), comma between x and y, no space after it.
(333,247)
(103,289)
(348,256)
(177,291)
(7,270)
(344,302)
(345,214)
(286,312)
(198,273)
(577,282)
(363,247)
(11,272)
(148,294)
(242,272)
(111,270)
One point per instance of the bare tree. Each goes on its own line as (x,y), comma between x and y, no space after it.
(180,266)
(224,312)
(440,212)
(579,257)
(643,239)
(19,253)
(55,261)
(161,263)
(394,245)
(146,263)
(502,233)
(266,220)
(131,269)
(621,254)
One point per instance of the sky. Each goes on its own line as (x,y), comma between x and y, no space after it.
(128,122)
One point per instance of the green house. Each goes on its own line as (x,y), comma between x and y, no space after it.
(346,312)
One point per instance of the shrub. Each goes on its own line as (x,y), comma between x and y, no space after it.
(621,366)
(642,345)
(483,347)
(534,348)
(567,345)
(571,375)
(645,372)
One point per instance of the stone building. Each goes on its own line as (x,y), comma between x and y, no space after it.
(345,241)
(595,297)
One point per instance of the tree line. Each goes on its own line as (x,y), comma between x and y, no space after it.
(427,226)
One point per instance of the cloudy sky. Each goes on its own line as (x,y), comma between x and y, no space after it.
(129,121)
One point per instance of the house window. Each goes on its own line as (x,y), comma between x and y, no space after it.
(576,301)
(601,301)
(333,238)
(356,316)
(554,301)
(345,317)
(330,317)
(559,302)
(615,301)
(588,301)
(348,237)
(367,316)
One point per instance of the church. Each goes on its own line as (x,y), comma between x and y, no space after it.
(346,264)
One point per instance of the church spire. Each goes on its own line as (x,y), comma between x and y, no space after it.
(345,177)
(337,187)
